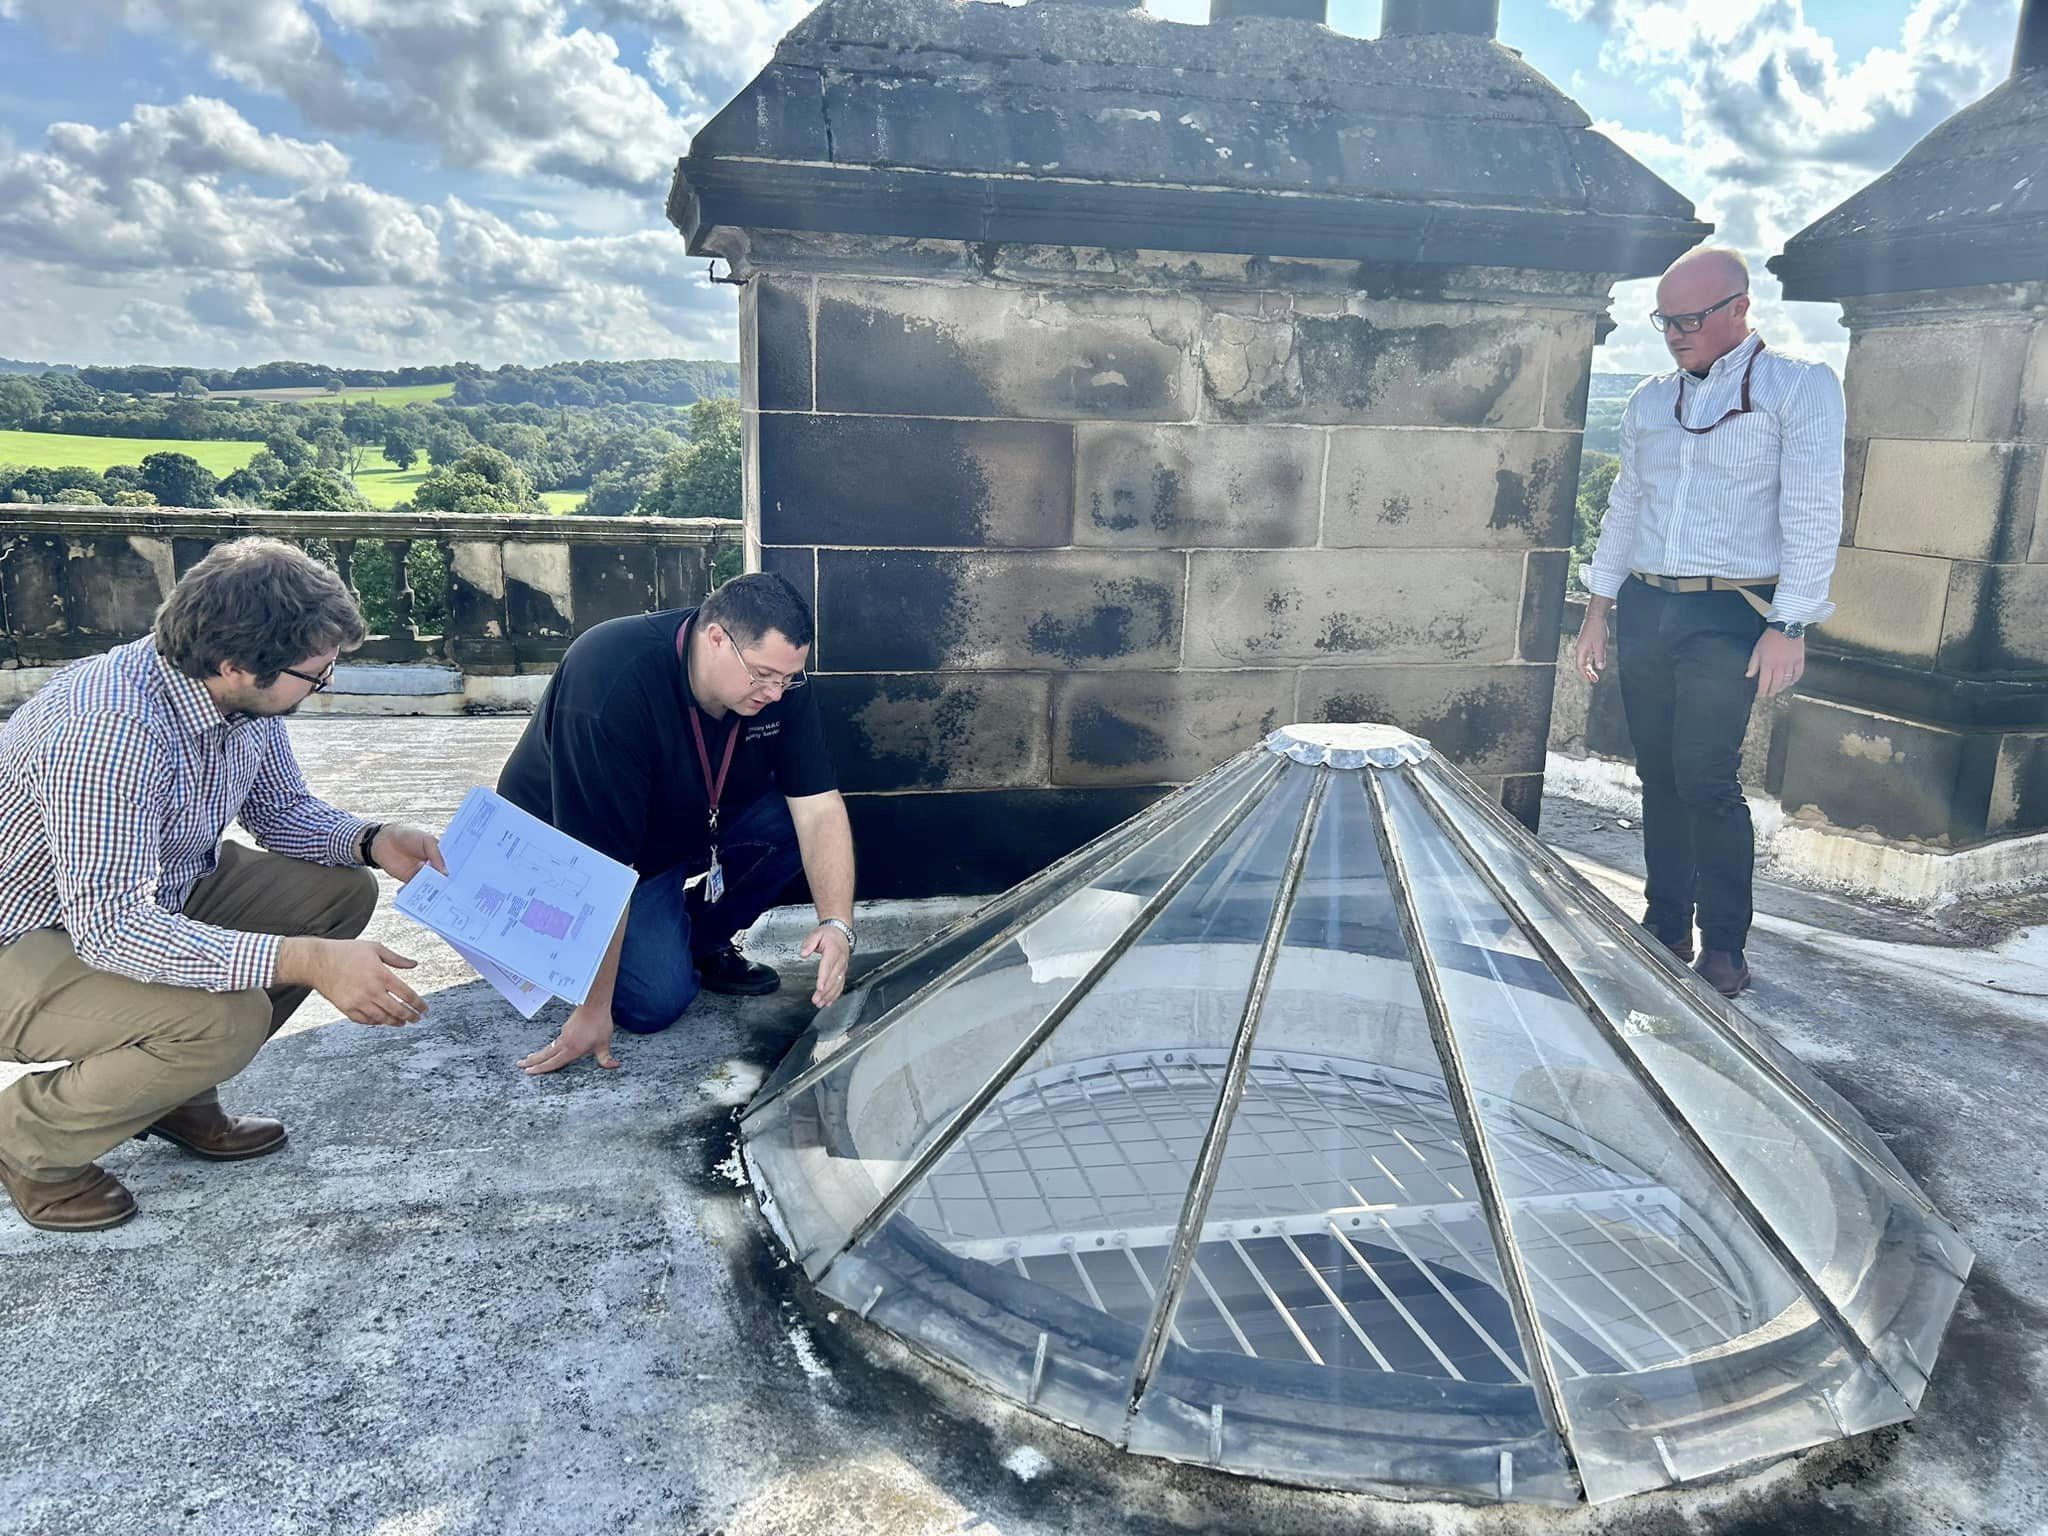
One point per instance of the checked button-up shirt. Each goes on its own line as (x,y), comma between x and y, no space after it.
(116,782)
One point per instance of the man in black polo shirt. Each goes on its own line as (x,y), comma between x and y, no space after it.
(686,745)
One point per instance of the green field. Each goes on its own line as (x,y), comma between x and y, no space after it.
(381,483)
(389,394)
(56,449)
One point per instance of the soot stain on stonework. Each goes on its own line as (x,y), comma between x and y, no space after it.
(1126,617)
(873,358)
(1340,358)
(1394,511)
(1350,634)
(1511,502)
(1165,499)
(1122,519)
(1102,738)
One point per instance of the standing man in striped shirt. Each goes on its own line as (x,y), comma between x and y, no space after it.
(1717,551)
(136,946)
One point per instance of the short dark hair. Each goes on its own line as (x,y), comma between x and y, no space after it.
(257,604)
(747,607)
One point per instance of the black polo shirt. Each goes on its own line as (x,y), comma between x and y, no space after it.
(609,758)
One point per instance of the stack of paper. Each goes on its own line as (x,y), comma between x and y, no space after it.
(531,908)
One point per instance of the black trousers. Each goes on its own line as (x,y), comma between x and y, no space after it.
(1682,656)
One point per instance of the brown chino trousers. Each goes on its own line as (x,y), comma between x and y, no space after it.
(137,1049)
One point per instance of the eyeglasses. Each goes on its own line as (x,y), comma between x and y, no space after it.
(788,684)
(318,683)
(1689,323)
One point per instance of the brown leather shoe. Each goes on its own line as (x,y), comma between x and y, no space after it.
(208,1131)
(86,1202)
(1682,949)
(1723,972)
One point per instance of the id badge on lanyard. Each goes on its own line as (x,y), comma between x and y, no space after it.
(714,877)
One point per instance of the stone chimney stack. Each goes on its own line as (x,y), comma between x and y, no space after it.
(1474,18)
(1924,716)
(1120,390)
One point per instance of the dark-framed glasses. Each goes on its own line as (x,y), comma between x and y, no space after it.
(319,681)
(1690,322)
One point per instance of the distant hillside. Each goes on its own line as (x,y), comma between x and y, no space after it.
(643,381)
(1615,386)
(1604,402)
(16,365)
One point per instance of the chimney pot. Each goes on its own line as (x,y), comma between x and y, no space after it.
(1473,18)
(1292,10)
(2031,50)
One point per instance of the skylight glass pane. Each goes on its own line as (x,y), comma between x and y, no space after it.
(1681,1345)
(1343,1321)
(1892,1267)
(1052,1211)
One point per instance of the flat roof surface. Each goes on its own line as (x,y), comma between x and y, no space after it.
(468,1301)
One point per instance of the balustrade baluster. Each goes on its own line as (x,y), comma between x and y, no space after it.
(401,589)
(345,568)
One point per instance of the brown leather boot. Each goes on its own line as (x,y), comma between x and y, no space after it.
(85,1202)
(1723,971)
(208,1131)
(1682,949)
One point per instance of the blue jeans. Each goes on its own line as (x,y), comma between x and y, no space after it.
(667,928)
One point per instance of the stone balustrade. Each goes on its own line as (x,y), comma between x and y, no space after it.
(75,580)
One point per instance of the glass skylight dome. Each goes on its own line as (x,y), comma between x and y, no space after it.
(1320,1125)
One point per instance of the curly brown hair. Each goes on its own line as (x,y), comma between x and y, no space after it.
(257,604)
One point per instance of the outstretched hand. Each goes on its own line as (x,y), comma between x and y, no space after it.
(586,1032)
(402,851)
(833,952)
(1777,663)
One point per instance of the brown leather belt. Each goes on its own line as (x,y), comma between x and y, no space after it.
(1741,584)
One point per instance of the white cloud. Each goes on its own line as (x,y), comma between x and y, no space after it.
(503,86)
(1776,127)
(228,245)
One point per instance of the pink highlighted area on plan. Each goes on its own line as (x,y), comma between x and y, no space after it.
(544,919)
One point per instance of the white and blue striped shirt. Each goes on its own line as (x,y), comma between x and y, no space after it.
(1759,495)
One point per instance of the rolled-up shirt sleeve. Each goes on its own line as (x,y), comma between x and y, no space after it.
(1613,554)
(1809,496)
(286,817)
(102,792)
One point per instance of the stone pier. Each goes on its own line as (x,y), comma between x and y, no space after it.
(1120,389)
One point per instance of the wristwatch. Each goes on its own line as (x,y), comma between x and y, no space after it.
(1791,629)
(369,841)
(845,929)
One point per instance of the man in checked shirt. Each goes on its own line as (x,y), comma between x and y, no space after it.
(134,944)
(1716,553)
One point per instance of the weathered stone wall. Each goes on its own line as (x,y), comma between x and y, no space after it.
(1077,527)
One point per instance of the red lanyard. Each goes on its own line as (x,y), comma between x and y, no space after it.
(713,787)
(1740,410)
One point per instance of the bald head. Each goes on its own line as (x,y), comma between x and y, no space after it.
(1699,280)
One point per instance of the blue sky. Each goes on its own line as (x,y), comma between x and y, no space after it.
(378,182)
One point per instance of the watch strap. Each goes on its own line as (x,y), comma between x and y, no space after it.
(845,928)
(369,841)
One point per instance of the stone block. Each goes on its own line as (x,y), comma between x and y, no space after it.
(1162,728)
(476,589)
(965,349)
(2033,407)
(1396,364)
(1544,573)
(1174,487)
(610,581)
(1521,796)
(1346,607)
(1887,605)
(1487,720)
(682,575)
(1874,773)
(2019,785)
(1570,377)
(1997,620)
(33,579)
(1391,487)
(977,842)
(1913,381)
(115,584)
(1963,501)
(781,322)
(960,731)
(537,589)
(910,481)
(896,611)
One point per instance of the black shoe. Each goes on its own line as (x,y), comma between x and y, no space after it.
(727,970)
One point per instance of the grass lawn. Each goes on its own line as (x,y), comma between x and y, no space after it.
(54,450)
(379,480)
(389,394)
